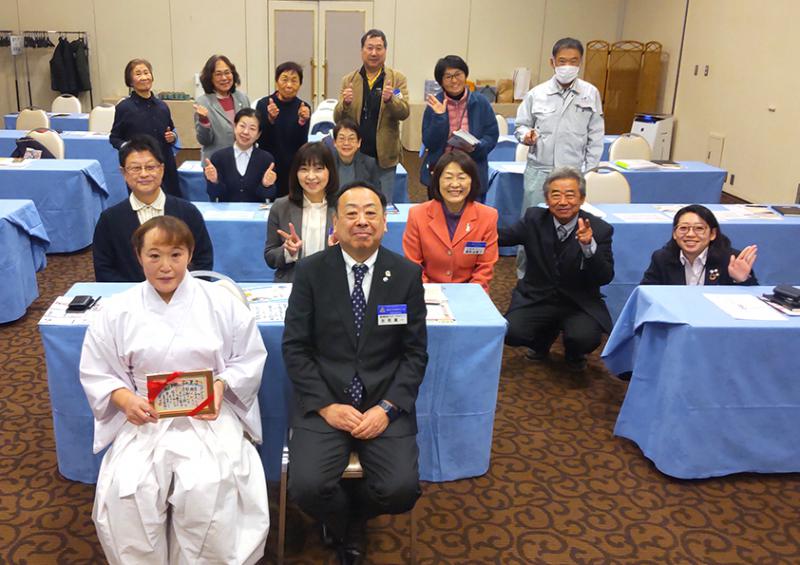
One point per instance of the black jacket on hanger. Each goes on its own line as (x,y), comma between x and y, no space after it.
(63,74)
(80,55)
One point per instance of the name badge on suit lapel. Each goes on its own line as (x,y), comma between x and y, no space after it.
(392,315)
(475,248)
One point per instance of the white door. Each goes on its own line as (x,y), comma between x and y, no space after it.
(324,37)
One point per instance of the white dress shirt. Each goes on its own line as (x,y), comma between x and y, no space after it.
(147,211)
(695,272)
(242,158)
(366,284)
(312,230)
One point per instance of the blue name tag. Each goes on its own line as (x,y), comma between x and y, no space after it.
(392,314)
(474,248)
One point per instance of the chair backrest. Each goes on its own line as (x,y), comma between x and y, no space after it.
(225,282)
(101,118)
(66,103)
(321,116)
(522,152)
(502,124)
(605,185)
(353,469)
(50,139)
(32,118)
(630,146)
(328,104)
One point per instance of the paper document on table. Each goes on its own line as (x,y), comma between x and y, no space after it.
(670,209)
(747,212)
(57,314)
(439,313)
(268,293)
(642,217)
(269,303)
(192,166)
(434,294)
(636,165)
(744,307)
(10,163)
(269,311)
(228,215)
(586,207)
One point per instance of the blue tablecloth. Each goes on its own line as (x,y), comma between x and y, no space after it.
(193,183)
(506,148)
(24,241)
(60,122)
(455,408)
(82,145)
(238,232)
(710,395)
(69,194)
(635,241)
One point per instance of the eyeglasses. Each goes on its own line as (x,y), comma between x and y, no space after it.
(699,230)
(288,80)
(137,169)
(347,139)
(220,74)
(453,76)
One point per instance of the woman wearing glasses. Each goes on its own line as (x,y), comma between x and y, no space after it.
(215,110)
(454,109)
(284,121)
(144,113)
(699,254)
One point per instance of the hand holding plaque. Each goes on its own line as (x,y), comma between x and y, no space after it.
(189,393)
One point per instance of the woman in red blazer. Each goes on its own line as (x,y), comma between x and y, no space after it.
(452,237)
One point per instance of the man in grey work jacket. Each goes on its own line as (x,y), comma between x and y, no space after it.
(561,120)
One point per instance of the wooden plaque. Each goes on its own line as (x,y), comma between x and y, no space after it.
(186,393)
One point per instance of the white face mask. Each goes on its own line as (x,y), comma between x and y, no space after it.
(566,73)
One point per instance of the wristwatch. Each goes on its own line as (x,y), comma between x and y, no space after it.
(391,411)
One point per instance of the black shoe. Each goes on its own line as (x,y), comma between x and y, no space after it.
(536,355)
(349,555)
(327,537)
(576,364)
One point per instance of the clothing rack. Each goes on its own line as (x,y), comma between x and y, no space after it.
(40,38)
(5,41)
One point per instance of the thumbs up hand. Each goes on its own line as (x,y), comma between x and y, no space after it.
(210,172)
(270,176)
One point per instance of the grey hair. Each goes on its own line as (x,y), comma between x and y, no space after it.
(565,173)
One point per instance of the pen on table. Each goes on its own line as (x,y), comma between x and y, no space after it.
(96,300)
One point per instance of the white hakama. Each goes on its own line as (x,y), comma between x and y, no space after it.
(181,490)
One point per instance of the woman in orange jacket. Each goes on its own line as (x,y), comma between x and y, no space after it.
(452,237)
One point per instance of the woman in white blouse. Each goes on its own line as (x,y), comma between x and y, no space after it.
(300,224)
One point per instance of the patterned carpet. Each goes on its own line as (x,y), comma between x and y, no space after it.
(561,488)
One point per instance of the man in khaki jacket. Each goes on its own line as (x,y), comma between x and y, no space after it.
(376,97)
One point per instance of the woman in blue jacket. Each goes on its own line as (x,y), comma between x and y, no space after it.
(456,108)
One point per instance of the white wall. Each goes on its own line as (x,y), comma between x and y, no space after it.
(494,36)
(662,21)
(750,48)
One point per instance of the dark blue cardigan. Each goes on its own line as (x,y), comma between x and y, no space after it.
(233,187)
(112,251)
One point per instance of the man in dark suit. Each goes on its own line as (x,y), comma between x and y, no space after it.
(354,345)
(112,251)
(242,172)
(569,259)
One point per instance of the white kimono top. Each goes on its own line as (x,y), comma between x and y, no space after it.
(137,333)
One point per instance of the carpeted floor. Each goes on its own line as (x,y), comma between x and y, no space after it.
(561,488)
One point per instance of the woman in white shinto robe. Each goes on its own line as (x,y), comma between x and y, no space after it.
(184,489)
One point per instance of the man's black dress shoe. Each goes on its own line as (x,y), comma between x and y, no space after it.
(349,555)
